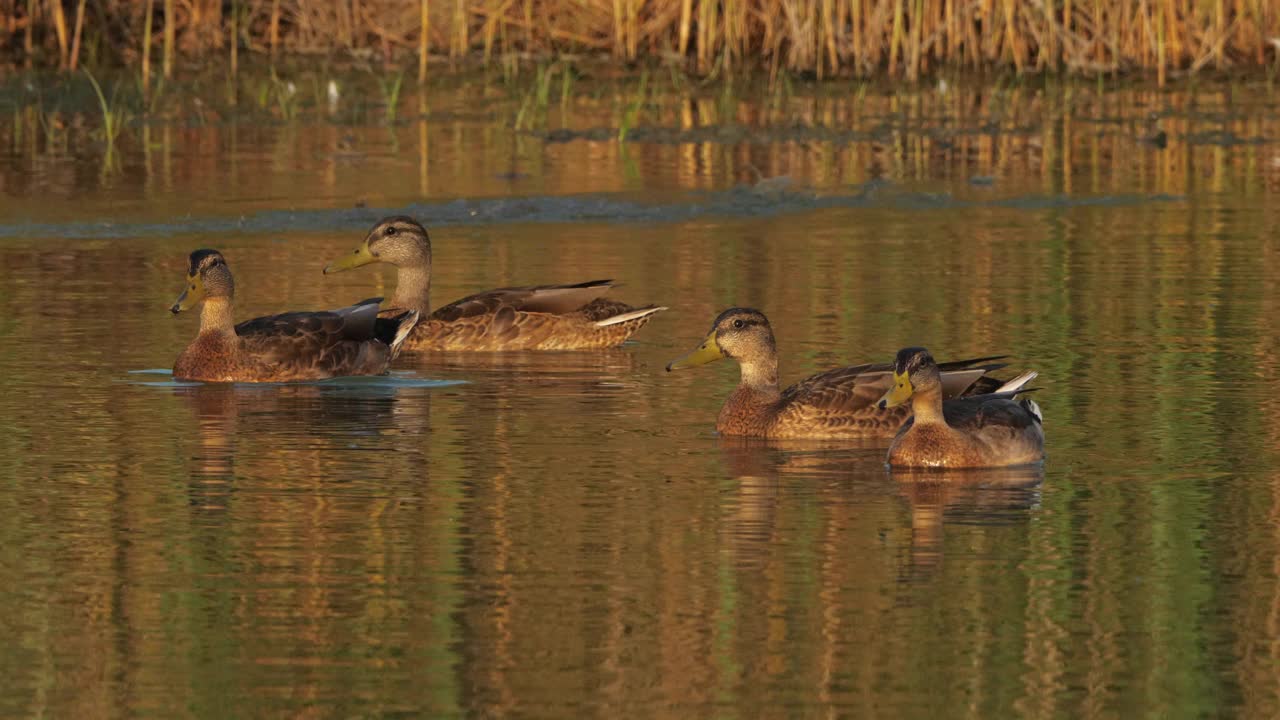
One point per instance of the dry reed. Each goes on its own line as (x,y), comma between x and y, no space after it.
(902,38)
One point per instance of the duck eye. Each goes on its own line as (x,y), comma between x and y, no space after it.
(390,231)
(738,324)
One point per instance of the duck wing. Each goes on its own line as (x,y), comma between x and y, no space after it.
(1011,429)
(345,341)
(838,402)
(855,387)
(845,398)
(992,411)
(547,299)
(544,317)
(849,389)
(355,322)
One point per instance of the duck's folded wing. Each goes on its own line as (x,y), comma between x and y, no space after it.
(315,330)
(857,386)
(548,299)
(602,309)
(845,389)
(997,413)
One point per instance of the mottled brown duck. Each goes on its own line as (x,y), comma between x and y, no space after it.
(279,348)
(982,431)
(839,403)
(543,317)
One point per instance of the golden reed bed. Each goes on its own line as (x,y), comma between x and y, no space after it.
(903,38)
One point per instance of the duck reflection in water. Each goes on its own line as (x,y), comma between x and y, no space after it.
(936,499)
(585,370)
(768,472)
(771,473)
(286,431)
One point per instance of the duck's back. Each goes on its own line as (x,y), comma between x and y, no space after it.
(842,403)
(836,404)
(1012,431)
(315,345)
(544,317)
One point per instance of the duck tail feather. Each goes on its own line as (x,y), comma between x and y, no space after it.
(407,323)
(1018,383)
(628,316)
(1034,408)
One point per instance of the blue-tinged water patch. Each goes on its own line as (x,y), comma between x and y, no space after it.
(395,380)
(771,196)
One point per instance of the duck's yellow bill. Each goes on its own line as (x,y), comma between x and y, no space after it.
(351,261)
(899,393)
(191,295)
(707,352)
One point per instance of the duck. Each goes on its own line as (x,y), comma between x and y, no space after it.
(542,317)
(981,431)
(294,346)
(1153,134)
(835,404)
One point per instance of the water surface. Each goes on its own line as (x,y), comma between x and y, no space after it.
(564,534)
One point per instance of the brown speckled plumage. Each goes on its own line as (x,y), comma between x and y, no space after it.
(551,317)
(280,348)
(545,317)
(989,430)
(836,404)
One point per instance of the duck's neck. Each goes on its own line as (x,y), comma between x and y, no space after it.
(413,288)
(760,377)
(217,317)
(927,407)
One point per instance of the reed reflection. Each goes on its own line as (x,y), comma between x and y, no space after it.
(1068,139)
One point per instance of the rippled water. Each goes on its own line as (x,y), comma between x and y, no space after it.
(563,534)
